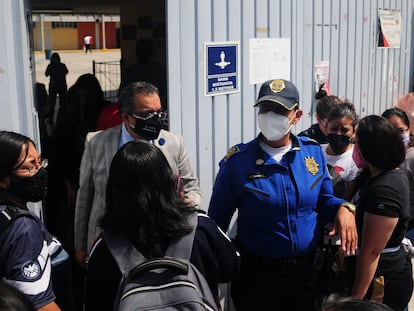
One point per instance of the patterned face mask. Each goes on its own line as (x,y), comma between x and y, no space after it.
(30,189)
(148,128)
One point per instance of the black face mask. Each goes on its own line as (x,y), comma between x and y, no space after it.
(148,129)
(30,189)
(338,143)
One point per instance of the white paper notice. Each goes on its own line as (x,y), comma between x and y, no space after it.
(322,76)
(390,36)
(269,58)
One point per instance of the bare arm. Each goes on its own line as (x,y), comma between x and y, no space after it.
(376,231)
(49,307)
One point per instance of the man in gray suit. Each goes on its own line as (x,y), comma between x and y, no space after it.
(140,108)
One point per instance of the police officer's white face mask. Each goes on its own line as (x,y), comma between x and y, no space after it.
(274,126)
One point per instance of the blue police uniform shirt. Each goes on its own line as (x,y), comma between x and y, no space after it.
(278,203)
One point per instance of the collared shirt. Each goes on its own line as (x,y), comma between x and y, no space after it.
(278,203)
(126,137)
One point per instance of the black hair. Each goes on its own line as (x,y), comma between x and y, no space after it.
(344,109)
(325,104)
(126,97)
(55,58)
(142,201)
(84,101)
(11,145)
(337,303)
(11,299)
(398,113)
(89,82)
(321,93)
(380,142)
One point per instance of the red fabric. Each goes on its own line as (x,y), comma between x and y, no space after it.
(109,117)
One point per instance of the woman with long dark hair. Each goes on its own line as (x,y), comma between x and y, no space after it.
(144,205)
(30,258)
(383,270)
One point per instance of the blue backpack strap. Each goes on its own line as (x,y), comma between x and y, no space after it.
(182,247)
(123,251)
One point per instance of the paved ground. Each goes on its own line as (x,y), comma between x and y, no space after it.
(77,61)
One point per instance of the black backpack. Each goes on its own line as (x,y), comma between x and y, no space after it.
(165,283)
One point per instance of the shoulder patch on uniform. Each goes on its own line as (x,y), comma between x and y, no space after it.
(31,270)
(233,150)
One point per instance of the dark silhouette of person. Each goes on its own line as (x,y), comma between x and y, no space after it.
(57,83)
(146,69)
(84,101)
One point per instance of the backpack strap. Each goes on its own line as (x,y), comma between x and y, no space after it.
(10,214)
(123,251)
(127,256)
(183,247)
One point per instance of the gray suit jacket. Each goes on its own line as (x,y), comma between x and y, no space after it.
(100,147)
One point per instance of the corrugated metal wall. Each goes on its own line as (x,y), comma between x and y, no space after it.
(341,31)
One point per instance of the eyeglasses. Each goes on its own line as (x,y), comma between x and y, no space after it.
(43,163)
(145,115)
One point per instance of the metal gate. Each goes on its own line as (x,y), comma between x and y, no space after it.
(109,76)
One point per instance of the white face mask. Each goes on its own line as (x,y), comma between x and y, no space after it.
(274,126)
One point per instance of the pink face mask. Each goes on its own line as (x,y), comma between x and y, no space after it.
(358,159)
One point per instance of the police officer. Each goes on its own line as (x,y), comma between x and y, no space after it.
(279,184)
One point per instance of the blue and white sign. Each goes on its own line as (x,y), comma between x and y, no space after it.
(221,61)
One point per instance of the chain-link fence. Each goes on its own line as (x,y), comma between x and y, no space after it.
(109,76)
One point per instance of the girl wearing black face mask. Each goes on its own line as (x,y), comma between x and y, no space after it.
(341,124)
(26,247)
(338,151)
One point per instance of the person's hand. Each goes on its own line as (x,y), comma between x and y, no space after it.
(346,227)
(186,200)
(80,257)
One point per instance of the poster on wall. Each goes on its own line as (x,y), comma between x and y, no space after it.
(322,76)
(389,35)
(222,68)
(269,58)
